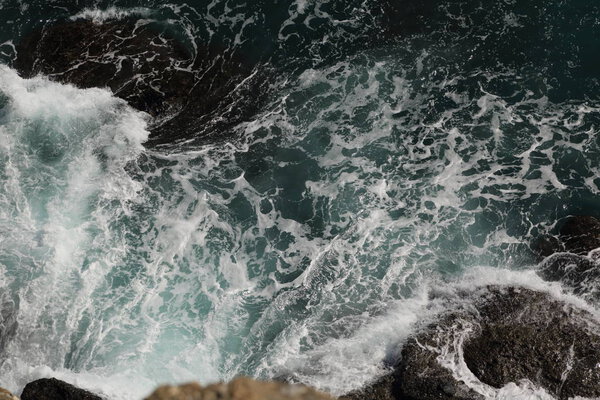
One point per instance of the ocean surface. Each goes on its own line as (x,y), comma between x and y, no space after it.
(405,150)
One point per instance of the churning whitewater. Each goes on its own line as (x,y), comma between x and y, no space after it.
(380,167)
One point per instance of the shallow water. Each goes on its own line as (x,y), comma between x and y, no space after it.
(403,150)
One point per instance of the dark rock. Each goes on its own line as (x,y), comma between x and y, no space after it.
(420,376)
(54,389)
(576,234)
(570,258)
(523,334)
(546,245)
(580,273)
(580,234)
(505,334)
(139,64)
(8,320)
(189,95)
(385,388)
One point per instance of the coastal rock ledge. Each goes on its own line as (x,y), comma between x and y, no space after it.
(504,335)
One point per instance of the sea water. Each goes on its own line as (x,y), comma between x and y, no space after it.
(405,152)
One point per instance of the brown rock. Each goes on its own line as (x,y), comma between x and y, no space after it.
(6,395)
(238,389)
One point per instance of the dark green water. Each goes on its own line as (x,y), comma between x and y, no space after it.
(404,147)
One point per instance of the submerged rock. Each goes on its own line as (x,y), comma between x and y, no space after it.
(188,95)
(54,389)
(580,273)
(576,234)
(570,257)
(238,389)
(139,64)
(8,319)
(503,335)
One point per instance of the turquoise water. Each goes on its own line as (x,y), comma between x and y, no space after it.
(404,149)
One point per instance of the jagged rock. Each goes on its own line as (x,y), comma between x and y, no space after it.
(6,395)
(189,95)
(54,389)
(580,234)
(570,257)
(238,389)
(506,334)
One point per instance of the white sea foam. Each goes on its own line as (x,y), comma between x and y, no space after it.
(63,150)
(111,13)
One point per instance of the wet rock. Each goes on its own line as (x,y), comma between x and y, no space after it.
(580,273)
(137,63)
(385,388)
(188,94)
(523,334)
(421,376)
(238,389)
(8,320)
(572,257)
(580,234)
(500,335)
(6,395)
(576,234)
(54,389)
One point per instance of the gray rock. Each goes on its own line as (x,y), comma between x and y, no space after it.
(8,320)
(385,388)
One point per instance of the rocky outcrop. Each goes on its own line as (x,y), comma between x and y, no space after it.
(238,389)
(580,273)
(189,95)
(523,334)
(6,395)
(505,334)
(385,388)
(54,389)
